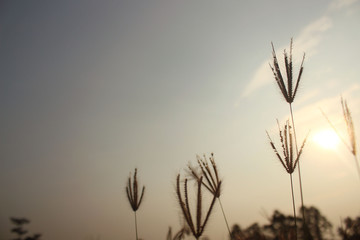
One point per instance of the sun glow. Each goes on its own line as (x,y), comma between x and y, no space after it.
(327,139)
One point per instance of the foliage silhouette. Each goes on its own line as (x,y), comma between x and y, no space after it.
(20,231)
(282,227)
(254,232)
(317,226)
(351,229)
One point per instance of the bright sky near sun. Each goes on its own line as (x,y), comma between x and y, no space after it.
(327,139)
(89,90)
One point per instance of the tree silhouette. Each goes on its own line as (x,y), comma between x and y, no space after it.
(20,231)
(317,226)
(253,232)
(282,227)
(351,229)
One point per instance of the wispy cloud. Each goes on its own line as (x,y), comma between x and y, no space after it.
(310,37)
(306,96)
(262,77)
(307,41)
(338,4)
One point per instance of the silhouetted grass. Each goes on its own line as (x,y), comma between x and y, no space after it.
(289,92)
(212,181)
(133,197)
(197,225)
(288,160)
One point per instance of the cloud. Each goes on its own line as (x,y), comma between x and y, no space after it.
(307,41)
(306,96)
(310,36)
(262,77)
(338,4)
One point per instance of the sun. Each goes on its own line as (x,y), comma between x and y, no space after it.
(327,139)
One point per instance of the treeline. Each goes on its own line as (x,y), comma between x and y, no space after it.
(279,227)
(282,227)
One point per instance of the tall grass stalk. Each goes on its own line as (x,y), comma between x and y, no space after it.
(288,160)
(212,181)
(351,132)
(289,94)
(133,197)
(136,230)
(293,202)
(299,168)
(197,225)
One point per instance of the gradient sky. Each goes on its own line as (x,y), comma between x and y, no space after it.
(89,90)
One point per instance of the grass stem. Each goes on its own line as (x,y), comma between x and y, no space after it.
(294,208)
(136,231)
(357,164)
(299,169)
(223,212)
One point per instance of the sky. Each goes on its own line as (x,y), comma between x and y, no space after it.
(90,90)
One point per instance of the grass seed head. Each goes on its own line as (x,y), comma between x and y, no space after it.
(286,87)
(210,173)
(198,227)
(349,125)
(133,193)
(287,159)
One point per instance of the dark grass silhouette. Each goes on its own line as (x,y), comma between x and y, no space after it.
(197,225)
(133,197)
(288,159)
(212,181)
(289,89)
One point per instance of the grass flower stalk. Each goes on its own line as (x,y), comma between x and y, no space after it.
(289,90)
(351,132)
(133,196)
(288,160)
(212,180)
(197,225)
